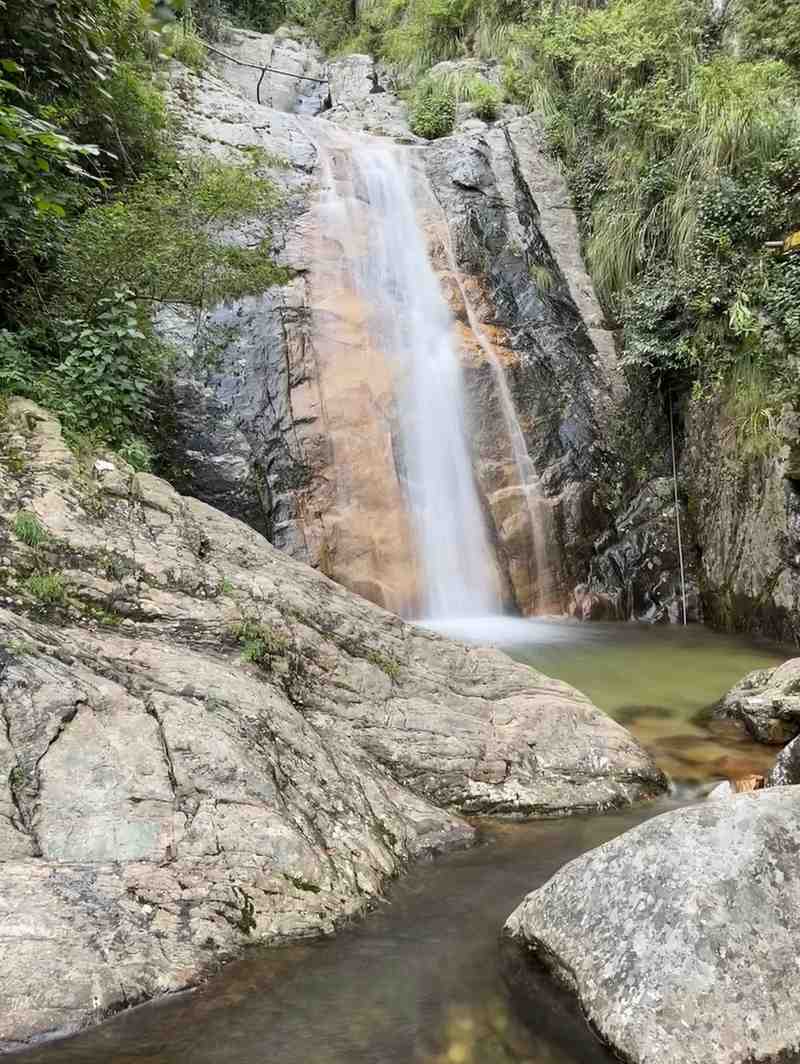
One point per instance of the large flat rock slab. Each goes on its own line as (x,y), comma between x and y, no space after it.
(207,744)
(680,938)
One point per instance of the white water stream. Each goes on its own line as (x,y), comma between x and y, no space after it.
(370,199)
(413,324)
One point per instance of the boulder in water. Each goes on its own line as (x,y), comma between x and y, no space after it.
(766,702)
(786,769)
(680,937)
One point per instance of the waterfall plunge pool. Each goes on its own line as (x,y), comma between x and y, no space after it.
(657,680)
(419,981)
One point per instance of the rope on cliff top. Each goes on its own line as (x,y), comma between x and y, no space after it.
(677,506)
(263,69)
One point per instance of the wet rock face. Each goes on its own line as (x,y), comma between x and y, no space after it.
(206,743)
(517,255)
(635,570)
(677,936)
(767,703)
(747,527)
(265,394)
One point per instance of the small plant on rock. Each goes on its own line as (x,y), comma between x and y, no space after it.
(28,529)
(261,644)
(432,112)
(486,99)
(48,588)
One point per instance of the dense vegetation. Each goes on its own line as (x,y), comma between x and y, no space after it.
(100,222)
(679,129)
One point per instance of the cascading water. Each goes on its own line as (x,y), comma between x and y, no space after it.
(408,320)
(539,514)
(403,511)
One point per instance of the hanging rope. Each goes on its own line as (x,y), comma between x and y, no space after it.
(264,69)
(677,506)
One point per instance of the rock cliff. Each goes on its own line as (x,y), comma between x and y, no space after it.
(206,743)
(746,517)
(279,420)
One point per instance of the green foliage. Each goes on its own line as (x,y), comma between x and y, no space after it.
(28,529)
(542,277)
(388,665)
(138,453)
(183,42)
(260,643)
(432,110)
(128,120)
(161,240)
(93,358)
(38,165)
(97,373)
(486,99)
(768,29)
(683,160)
(48,588)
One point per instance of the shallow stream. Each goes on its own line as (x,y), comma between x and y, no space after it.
(419,981)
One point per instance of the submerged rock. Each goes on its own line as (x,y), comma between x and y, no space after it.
(206,743)
(766,702)
(680,937)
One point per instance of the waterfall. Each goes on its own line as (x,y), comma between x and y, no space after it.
(408,320)
(539,513)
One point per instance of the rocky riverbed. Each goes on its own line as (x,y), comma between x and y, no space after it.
(208,744)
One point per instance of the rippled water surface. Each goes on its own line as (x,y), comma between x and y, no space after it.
(419,981)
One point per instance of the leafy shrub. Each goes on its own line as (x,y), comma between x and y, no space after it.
(264,16)
(103,385)
(38,167)
(769,29)
(159,242)
(486,99)
(432,111)
(261,644)
(182,42)
(49,588)
(138,453)
(127,119)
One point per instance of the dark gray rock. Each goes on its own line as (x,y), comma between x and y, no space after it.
(635,571)
(680,938)
(746,516)
(766,702)
(516,248)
